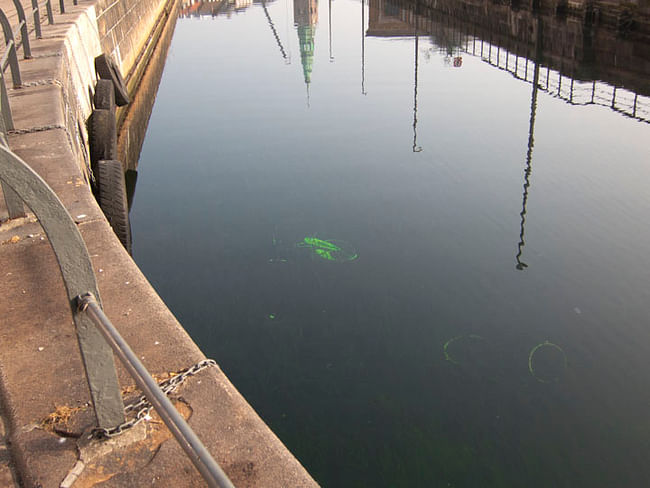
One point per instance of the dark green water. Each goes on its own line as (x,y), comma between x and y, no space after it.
(414,364)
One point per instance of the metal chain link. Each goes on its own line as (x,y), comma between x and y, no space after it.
(45,82)
(42,128)
(143,407)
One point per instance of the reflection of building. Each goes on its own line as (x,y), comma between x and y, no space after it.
(192,8)
(584,63)
(305,17)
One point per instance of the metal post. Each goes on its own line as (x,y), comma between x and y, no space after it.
(191,444)
(48,10)
(24,32)
(5,108)
(37,19)
(10,54)
(14,204)
(78,277)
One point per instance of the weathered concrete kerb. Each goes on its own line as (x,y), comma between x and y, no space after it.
(44,397)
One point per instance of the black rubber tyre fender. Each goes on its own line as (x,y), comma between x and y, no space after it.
(108,70)
(102,137)
(112,199)
(104,98)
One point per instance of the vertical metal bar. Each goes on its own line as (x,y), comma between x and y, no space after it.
(37,19)
(10,50)
(24,31)
(593,91)
(614,98)
(14,203)
(48,10)
(571,94)
(78,277)
(5,107)
(191,444)
(15,69)
(61,6)
(636,96)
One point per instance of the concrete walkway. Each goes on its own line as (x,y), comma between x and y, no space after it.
(43,392)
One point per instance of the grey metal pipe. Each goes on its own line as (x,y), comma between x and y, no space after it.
(191,444)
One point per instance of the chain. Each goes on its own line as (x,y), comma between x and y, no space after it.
(142,407)
(42,128)
(45,82)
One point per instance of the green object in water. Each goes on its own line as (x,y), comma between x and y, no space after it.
(272,316)
(532,354)
(330,250)
(445,348)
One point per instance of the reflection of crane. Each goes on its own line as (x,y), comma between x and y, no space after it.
(329,25)
(275,33)
(363,48)
(416,148)
(529,154)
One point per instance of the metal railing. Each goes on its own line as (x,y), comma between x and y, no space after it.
(97,337)
(559,85)
(9,59)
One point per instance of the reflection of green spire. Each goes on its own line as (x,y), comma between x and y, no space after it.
(306,38)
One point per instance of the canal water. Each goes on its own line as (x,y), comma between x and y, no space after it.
(421,267)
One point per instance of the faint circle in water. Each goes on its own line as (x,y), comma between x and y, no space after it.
(554,358)
(445,348)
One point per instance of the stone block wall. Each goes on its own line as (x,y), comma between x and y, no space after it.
(124,26)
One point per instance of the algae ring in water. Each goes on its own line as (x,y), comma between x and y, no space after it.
(445,348)
(330,249)
(547,362)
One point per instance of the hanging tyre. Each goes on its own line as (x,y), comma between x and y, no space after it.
(102,136)
(108,70)
(112,199)
(104,95)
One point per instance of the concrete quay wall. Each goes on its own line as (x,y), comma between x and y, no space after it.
(44,399)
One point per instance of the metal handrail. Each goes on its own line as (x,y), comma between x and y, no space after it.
(95,333)
(191,444)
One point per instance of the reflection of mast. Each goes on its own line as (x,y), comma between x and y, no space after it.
(529,154)
(363,48)
(416,148)
(305,15)
(275,33)
(329,25)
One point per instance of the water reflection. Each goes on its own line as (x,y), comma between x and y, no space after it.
(529,154)
(275,33)
(305,17)
(352,363)
(604,69)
